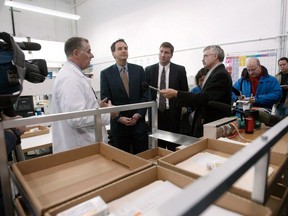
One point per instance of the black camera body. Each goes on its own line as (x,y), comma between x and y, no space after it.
(14,69)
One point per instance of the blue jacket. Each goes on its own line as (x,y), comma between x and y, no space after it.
(268,90)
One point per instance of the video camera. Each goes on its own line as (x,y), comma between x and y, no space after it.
(14,68)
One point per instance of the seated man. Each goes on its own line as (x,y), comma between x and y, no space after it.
(257,87)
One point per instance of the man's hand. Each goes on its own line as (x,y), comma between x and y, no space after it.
(125,121)
(130,121)
(241,97)
(252,100)
(104,102)
(168,93)
(135,118)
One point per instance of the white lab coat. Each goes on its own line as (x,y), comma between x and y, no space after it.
(72,91)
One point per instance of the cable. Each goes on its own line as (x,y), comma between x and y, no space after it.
(238,132)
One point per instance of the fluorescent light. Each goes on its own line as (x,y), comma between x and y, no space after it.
(41,10)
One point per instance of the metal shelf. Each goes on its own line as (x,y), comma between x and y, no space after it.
(207,188)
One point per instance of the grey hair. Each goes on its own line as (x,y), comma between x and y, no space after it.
(217,50)
(72,44)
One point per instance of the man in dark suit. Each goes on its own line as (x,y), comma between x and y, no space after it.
(122,84)
(217,86)
(169,117)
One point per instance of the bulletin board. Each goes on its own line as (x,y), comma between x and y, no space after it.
(235,62)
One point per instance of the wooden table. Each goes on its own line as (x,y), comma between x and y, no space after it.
(37,142)
(281,146)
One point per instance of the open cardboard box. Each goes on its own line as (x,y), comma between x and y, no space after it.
(141,179)
(39,130)
(154,154)
(224,149)
(54,179)
(278,200)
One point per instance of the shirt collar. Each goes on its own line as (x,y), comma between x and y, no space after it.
(166,67)
(75,65)
(120,67)
(209,73)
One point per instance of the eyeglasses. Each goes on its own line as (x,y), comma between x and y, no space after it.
(252,69)
(206,55)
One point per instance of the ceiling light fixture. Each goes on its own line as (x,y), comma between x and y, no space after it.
(41,10)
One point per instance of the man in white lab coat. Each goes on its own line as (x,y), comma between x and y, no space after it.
(72,91)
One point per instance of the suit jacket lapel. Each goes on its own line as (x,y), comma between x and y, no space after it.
(172,76)
(155,75)
(211,75)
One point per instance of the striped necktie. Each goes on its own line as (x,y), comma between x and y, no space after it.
(124,77)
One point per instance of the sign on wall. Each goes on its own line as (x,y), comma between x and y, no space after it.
(236,62)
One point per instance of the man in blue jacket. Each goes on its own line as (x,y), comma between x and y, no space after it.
(258,88)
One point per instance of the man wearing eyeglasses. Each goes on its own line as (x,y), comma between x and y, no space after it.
(217,86)
(258,88)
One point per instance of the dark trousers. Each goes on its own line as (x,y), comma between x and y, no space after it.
(133,143)
(165,123)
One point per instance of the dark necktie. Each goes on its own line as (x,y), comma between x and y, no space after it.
(124,77)
(162,100)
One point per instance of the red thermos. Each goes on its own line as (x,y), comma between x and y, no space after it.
(250,121)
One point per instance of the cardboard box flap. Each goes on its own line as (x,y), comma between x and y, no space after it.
(57,178)
(47,161)
(155,152)
(141,179)
(241,205)
(277,165)
(124,158)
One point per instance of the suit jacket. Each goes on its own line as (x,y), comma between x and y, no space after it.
(113,88)
(177,80)
(218,87)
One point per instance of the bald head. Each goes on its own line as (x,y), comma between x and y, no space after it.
(254,67)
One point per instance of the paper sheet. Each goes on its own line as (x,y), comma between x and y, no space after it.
(198,165)
(144,200)
(215,210)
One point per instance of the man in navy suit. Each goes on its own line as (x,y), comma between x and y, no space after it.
(169,118)
(122,84)
(217,86)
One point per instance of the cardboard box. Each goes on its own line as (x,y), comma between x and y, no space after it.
(278,200)
(224,149)
(39,130)
(141,179)
(154,154)
(51,180)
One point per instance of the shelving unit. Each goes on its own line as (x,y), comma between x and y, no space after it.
(5,166)
(208,189)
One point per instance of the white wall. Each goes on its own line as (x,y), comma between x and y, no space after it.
(189,25)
